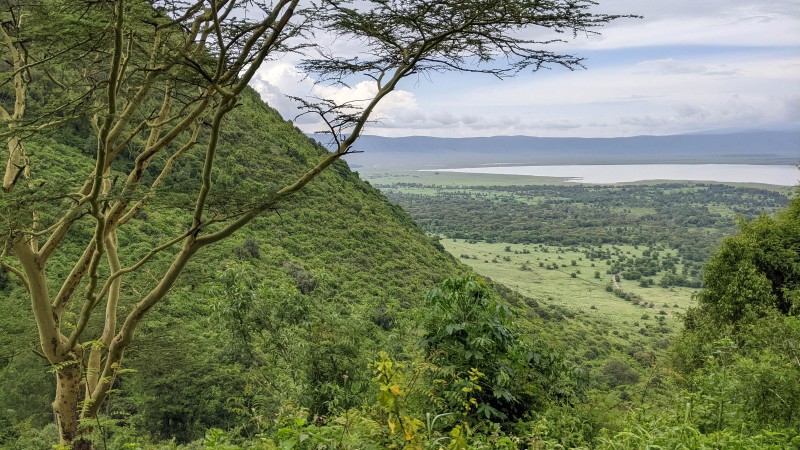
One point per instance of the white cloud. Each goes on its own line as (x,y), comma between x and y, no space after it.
(689,22)
(671,66)
(678,89)
(278,80)
(654,97)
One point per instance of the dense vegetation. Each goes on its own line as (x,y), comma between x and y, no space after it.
(745,329)
(690,218)
(338,257)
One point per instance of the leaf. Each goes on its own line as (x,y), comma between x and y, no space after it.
(451,328)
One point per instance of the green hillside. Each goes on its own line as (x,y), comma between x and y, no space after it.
(285,319)
(349,265)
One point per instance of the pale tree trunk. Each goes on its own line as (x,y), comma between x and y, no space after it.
(17,164)
(66,363)
(65,405)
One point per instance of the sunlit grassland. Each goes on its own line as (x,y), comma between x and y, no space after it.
(573,302)
(432,190)
(582,293)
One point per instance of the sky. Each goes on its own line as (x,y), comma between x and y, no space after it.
(687,66)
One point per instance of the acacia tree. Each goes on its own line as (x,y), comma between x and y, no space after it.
(25,25)
(154,81)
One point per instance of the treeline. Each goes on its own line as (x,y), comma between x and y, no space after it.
(690,218)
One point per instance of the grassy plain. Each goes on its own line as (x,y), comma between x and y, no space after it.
(583,293)
(567,282)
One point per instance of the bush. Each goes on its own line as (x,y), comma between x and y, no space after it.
(617,373)
(468,332)
(250,249)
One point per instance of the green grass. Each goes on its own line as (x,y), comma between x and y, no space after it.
(583,294)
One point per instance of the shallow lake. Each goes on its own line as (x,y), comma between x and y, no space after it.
(609,174)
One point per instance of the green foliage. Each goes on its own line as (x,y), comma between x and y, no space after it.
(295,347)
(753,278)
(740,347)
(281,322)
(755,272)
(314,290)
(25,383)
(617,373)
(468,330)
(24,436)
(174,393)
(4,279)
(392,393)
(556,428)
(472,339)
(671,434)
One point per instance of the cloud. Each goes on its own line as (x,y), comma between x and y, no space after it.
(693,112)
(687,22)
(687,66)
(676,9)
(397,111)
(791,108)
(671,66)
(276,82)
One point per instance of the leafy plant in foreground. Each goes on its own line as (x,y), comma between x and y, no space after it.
(472,338)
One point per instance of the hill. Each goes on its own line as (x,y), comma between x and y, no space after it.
(335,273)
(754,147)
(330,320)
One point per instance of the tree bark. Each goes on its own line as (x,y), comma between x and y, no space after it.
(17,165)
(65,405)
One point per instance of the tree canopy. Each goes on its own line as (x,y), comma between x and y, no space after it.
(755,273)
(741,342)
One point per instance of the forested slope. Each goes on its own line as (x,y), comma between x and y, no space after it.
(348,263)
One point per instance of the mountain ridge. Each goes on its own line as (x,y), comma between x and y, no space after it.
(753,147)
